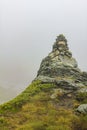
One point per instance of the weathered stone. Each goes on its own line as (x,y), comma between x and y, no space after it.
(51,55)
(83,90)
(69,95)
(56,93)
(56,53)
(58,60)
(61,37)
(60,64)
(57,69)
(82,109)
(66,84)
(45,79)
(84,76)
(60,83)
(68,53)
(62,43)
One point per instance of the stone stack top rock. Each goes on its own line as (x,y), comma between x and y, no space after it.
(61,46)
(61,42)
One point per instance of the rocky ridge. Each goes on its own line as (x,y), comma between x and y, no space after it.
(60,68)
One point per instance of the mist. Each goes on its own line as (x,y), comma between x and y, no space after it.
(28,29)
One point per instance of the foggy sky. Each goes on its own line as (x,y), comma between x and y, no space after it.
(28,29)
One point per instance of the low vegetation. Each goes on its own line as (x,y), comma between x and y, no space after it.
(35,110)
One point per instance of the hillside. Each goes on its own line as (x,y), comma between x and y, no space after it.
(55,100)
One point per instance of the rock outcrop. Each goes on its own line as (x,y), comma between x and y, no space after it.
(60,61)
(61,68)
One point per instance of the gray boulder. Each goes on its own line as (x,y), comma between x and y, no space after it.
(82,109)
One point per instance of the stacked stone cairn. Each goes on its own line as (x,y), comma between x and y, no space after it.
(61,69)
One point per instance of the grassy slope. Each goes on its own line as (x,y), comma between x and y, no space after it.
(34,109)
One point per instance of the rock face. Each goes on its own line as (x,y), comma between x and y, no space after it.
(61,68)
(60,61)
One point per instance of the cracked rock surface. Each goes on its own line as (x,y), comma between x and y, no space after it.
(60,67)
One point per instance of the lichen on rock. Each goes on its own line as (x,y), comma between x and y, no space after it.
(60,64)
(59,58)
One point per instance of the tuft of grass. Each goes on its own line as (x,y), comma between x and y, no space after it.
(80,123)
(81,97)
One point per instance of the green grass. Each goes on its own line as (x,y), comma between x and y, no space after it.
(81,97)
(34,109)
(16,104)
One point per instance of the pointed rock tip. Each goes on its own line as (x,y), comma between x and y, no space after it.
(61,37)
